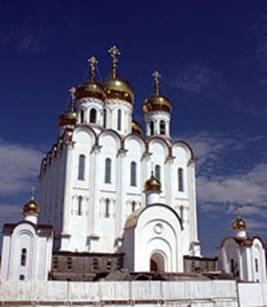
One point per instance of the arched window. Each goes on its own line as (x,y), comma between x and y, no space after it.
(119,120)
(105,118)
(82,116)
(93,116)
(133,174)
(151,127)
(232,266)
(21,277)
(23,257)
(162,127)
(157,172)
(180,179)
(81,168)
(133,206)
(107,208)
(79,211)
(256,265)
(108,170)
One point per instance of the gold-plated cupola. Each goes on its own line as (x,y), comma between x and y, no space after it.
(69,117)
(114,86)
(91,88)
(157,102)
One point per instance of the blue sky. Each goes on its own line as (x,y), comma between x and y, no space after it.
(213,59)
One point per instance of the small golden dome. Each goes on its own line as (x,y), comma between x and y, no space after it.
(152,184)
(31,207)
(136,128)
(118,88)
(69,117)
(157,102)
(90,89)
(239,224)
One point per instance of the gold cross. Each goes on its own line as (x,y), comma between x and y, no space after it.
(92,62)
(114,53)
(156,75)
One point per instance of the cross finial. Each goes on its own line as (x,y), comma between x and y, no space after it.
(156,75)
(32,192)
(92,62)
(114,52)
(72,91)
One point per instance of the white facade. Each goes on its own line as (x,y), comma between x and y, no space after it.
(90,211)
(26,251)
(244,257)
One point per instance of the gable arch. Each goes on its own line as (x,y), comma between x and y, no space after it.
(185,146)
(86,133)
(161,143)
(133,138)
(110,137)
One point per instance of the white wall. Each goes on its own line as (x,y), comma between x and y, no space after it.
(144,293)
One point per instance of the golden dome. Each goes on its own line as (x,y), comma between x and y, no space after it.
(90,89)
(69,117)
(31,207)
(157,102)
(136,128)
(152,184)
(116,87)
(239,224)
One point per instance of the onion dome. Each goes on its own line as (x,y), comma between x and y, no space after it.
(239,224)
(114,86)
(31,207)
(69,117)
(152,184)
(136,128)
(91,88)
(157,102)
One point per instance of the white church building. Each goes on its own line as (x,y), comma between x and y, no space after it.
(116,198)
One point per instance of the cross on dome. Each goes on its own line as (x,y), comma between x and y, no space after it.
(32,192)
(156,75)
(114,53)
(92,62)
(72,92)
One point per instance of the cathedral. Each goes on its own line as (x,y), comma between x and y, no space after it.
(117,198)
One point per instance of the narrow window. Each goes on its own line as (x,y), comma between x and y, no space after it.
(232,266)
(105,118)
(82,116)
(95,264)
(133,205)
(69,263)
(108,170)
(157,172)
(180,179)
(108,265)
(151,126)
(81,168)
(107,208)
(133,174)
(21,277)
(23,257)
(256,265)
(162,127)
(55,263)
(79,211)
(93,116)
(119,120)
